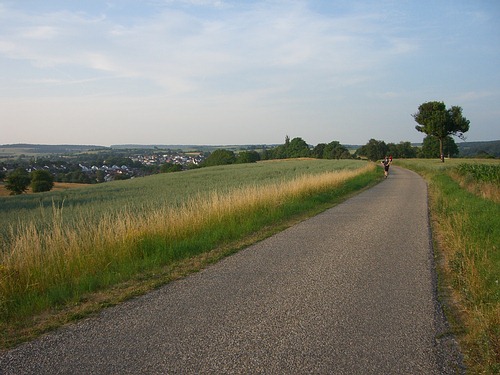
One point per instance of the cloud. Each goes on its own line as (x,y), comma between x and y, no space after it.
(181,50)
(40,33)
(472,96)
(209,3)
(204,67)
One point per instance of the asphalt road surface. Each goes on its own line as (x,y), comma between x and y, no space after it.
(350,291)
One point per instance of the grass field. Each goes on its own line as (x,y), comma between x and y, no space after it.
(65,254)
(465,213)
(58,186)
(147,194)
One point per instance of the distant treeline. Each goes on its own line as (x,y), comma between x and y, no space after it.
(26,148)
(479,149)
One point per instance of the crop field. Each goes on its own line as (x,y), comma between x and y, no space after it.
(465,214)
(147,194)
(57,186)
(480,172)
(60,248)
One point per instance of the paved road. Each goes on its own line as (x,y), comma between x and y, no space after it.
(350,291)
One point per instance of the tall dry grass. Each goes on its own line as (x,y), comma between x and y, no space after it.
(466,230)
(43,268)
(486,190)
(469,267)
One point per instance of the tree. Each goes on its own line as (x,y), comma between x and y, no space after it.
(280,152)
(295,148)
(373,150)
(437,121)
(431,147)
(267,154)
(298,148)
(248,157)
(120,176)
(170,167)
(402,150)
(318,150)
(220,157)
(17,181)
(334,150)
(41,180)
(99,176)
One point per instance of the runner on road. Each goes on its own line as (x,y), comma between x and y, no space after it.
(386,163)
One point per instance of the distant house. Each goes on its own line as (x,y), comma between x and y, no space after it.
(84,168)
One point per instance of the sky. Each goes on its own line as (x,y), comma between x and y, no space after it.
(234,72)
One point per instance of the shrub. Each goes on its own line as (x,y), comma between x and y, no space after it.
(41,181)
(18,181)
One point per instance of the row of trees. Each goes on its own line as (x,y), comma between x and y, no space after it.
(295,148)
(430,149)
(20,180)
(298,148)
(224,157)
(377,150)
(433,118)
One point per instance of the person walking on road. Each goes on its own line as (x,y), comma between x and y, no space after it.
(386,163)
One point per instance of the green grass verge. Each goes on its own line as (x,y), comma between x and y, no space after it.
(466,231)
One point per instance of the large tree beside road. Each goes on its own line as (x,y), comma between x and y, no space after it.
(431,148)
(436,120)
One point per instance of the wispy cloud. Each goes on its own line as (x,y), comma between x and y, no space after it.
(472,96)
(185,51)
(221,63)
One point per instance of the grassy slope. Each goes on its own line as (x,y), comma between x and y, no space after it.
(164,189)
